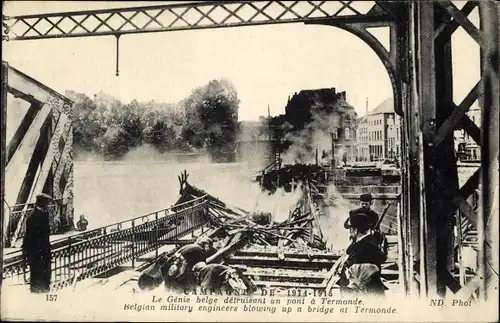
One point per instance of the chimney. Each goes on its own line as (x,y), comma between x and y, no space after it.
(366,108)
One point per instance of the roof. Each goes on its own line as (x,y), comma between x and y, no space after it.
(362,119)
(385,107)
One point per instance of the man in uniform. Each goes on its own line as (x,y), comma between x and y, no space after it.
(363,251)
(177,273)
(219,277)
(366,201)
(36,245)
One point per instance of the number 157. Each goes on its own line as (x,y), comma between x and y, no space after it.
(50,298)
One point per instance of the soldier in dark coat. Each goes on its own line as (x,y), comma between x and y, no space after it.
(363,250)
(366,201)
(36,245)
(178,271)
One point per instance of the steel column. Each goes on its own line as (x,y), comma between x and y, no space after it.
(490,106)
(411,143)
(442,161)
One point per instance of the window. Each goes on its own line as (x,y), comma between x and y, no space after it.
(347,133)
(335,134)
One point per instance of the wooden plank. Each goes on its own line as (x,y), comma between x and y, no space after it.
(288,284)
(284,273)
(275,259)
(300,254)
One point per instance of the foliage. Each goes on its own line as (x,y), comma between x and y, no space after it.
(212,118)
(205,121)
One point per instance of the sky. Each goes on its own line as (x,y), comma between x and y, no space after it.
(266,64)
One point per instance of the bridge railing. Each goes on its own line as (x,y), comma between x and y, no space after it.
(96,252)
(17,217)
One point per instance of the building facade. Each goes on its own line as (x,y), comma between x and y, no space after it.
(379,134)
(394,137)
(362,148)
(318,119)
(465,147)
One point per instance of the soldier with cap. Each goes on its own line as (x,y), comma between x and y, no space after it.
(366,201)
(363,250)
(36,245)
(376,235)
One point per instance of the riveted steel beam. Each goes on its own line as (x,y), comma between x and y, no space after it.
(186,16)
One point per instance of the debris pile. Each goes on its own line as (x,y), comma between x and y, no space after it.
(300,230)
(290,176)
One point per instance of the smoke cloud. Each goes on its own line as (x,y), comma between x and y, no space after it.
(253,144)
(316,135)
(336,212)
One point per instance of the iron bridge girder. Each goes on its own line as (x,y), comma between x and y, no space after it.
(188,16)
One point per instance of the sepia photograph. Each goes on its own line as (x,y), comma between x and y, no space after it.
(250,161)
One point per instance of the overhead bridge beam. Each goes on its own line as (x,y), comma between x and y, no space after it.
(188,16)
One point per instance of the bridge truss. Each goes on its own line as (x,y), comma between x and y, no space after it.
(418,62)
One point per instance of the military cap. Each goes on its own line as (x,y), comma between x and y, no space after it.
(358,221)
(366,197)
(43,199)
(44,196)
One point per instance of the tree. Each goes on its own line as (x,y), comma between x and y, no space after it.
(212,117)
(161,136)
(129,120)
(89,123)
(206,120)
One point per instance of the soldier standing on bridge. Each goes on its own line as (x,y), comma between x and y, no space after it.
(366,201)
(36,245)
(363,251)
